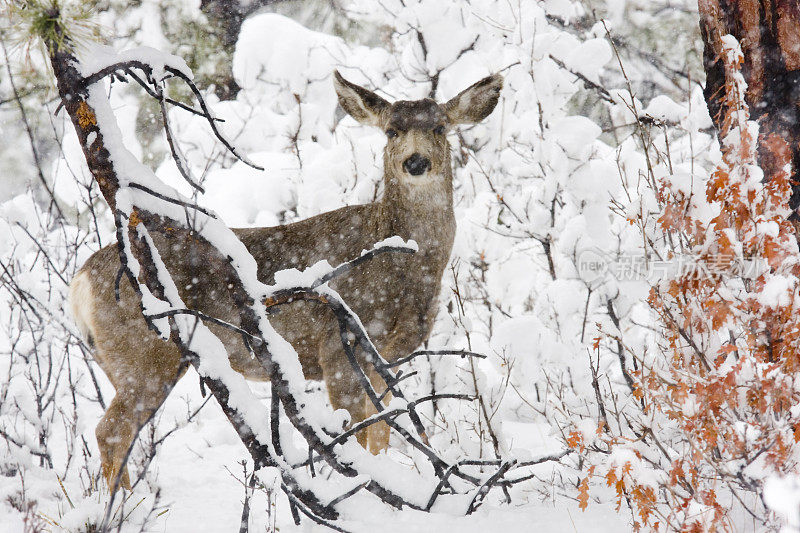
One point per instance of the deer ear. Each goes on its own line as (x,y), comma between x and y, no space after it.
(476,102)
(363,105)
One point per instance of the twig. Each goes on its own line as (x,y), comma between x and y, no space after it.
(460,353)
(363,258)
(29,131)
(176,103)
(209,117)
(177,155)
(160,196)
(483,490)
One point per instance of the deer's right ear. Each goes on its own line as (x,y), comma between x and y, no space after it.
(361,104)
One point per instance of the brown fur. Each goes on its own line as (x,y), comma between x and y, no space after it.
(394,294)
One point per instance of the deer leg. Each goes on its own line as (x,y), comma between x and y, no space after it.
(135,403)
(377,433)
(113,439)
(344,390)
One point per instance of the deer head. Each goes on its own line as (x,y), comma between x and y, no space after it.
(417,154)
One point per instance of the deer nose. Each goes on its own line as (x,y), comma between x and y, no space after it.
(416,164)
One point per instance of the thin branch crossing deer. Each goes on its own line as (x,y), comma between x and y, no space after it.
(394,295)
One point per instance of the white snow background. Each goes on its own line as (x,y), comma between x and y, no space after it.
(536,171)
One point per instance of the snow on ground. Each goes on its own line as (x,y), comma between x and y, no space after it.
(195,470)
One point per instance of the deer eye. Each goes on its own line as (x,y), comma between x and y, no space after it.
(391,133)
(438,130)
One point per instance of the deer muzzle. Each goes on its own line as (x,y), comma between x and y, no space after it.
(416,164)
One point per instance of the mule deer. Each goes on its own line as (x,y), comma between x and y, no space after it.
(394,294)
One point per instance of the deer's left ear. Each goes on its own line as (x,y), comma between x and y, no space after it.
(476,102)
(363,105)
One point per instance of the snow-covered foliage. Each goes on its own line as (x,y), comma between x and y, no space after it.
(582,211)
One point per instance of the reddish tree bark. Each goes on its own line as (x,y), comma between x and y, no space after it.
(769,34)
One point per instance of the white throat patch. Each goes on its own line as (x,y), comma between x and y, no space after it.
(425,188)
